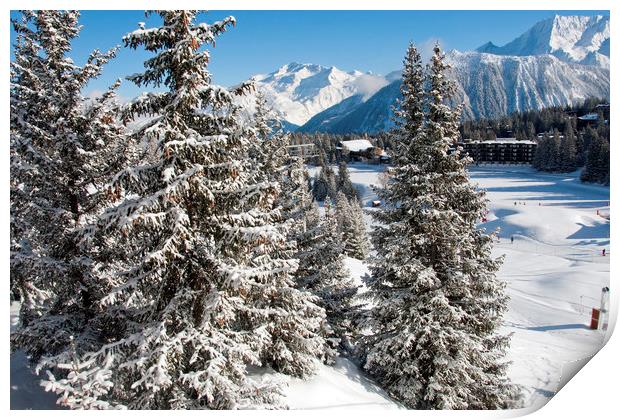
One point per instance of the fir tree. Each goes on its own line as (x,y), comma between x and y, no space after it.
(409,112)
(296,201)
(438,303)
(292,310)
(596,168)
(62,150)
(322,271)
(343,182)
(555,157)
(324,184)
(352,227)
(191,250)
(568,151)
(270,145)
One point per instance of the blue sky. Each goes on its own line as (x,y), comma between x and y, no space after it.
(263,41)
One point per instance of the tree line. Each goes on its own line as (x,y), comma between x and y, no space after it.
(526,125)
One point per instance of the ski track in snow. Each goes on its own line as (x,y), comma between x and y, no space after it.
(554,272)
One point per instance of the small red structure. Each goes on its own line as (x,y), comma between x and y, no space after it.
(594,320)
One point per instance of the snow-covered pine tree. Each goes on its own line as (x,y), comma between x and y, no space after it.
(352,227)
(62,148)
(323,272)
(343,182)
(324,184)
(434,343)
(271,141)
(596,168)
(193,295)
(409,111)
(298,206)
(318,243)
(568,152)
(292,310)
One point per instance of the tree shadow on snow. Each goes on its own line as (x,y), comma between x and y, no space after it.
(591,232)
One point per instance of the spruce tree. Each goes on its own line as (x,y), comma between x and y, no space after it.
(568,150)
(324,273)
(324,184)
(596,168)
(343,182)
(434,341)
(291,310)
(191,250)
(409,111)
(555,158)
(269,149)
(296,196)
(352,227)
(63,148)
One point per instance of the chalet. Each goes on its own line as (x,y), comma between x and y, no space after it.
(361,150)
(599,113)
(356,150)
(501,150)
(590,116)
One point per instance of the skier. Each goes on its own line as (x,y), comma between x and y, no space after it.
(512,240)
(603,252)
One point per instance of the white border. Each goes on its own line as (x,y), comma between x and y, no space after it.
(591,394)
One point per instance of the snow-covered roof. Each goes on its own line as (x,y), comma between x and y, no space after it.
(358,145)
(506,140)
(592,116)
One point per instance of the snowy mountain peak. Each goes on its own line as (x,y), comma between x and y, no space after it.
(487,48)
(573,39)
(299,91)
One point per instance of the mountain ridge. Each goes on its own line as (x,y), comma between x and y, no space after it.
(573,39)
(557,61)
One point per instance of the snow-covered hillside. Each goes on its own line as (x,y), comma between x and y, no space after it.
(494,85)
(300,91)
(574,39)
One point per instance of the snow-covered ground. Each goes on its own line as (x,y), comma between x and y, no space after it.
(554,270)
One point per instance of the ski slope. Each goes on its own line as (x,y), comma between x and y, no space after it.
(554,271)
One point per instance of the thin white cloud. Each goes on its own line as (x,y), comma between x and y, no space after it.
(368,84)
